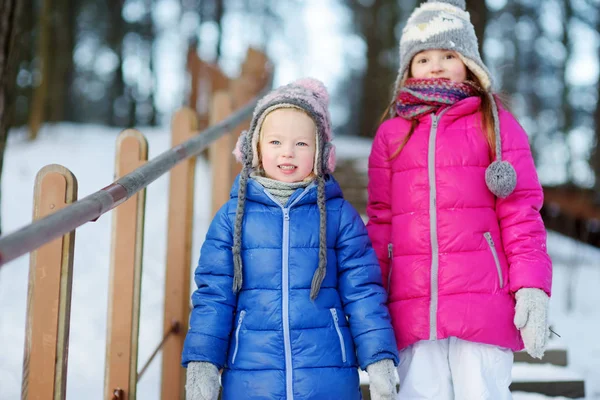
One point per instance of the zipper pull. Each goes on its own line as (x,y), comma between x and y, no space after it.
(286,214)
(241,317)
(390,251)
(334,312)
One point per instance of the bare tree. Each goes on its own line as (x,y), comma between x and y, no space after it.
(479,17)
(10,11)
(596,155)
(38,102)
(60,65)
(376,23)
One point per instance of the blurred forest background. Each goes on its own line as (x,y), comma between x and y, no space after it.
(122,62)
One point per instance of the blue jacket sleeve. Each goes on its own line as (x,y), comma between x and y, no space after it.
(213,301)
(363,296)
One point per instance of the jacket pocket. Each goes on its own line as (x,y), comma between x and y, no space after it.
(490,241)
(336,323)
(391,257)
(237,335)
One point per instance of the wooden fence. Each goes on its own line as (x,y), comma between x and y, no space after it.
(222,107)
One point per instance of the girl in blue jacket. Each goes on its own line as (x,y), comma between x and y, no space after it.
(290,299)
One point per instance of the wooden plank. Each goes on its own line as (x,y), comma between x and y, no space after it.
(551,356)
(242,91)
(179,251)
(221,159)
(568,389)
(125,274)
(49,293)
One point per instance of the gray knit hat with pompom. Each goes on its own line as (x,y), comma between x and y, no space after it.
(445,24)
(310,96)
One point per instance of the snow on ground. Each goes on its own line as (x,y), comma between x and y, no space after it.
(88,151)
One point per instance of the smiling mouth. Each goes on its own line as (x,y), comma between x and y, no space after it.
(287,167)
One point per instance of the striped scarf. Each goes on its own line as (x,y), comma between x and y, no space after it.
(423,96)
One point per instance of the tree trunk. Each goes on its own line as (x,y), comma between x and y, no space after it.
(566,108)
(376,24)
(479,18)
(117,94)
(60,65)
(219,12)
(596,156)
(38,101)
(10,11)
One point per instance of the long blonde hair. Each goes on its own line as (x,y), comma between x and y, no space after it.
(487,117)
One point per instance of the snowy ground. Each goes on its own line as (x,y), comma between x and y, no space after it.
(88,152)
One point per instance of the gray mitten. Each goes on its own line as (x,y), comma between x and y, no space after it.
(531,318)
(202,381)
(382,380)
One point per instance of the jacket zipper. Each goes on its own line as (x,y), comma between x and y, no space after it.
(490,241)
(391,257)
(339,332)
(237,335)
(433,305)
(289,390)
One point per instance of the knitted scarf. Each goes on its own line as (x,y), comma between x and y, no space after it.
(282,191)
(423,96)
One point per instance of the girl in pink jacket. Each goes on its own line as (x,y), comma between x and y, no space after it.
(453,210)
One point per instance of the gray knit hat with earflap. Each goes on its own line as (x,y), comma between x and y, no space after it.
(445,24)
(310,96)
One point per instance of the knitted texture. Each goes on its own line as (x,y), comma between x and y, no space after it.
(422,96)
(280,190)
(202,381)
(446,25)
(531,318)
(443,25)
(310,96)
(382,380)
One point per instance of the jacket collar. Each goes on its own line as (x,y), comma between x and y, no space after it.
(256,192)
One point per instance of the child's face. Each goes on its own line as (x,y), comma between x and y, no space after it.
(438,64)
(287,145)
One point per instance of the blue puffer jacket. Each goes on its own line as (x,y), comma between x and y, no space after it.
(271,339)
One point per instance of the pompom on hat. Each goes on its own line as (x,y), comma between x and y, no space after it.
(309,96)
(446,25)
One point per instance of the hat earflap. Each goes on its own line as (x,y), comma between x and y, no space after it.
(500,176)
(241,147)
(329,158)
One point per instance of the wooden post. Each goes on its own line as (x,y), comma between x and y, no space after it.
(221,159)
(256,65)
(179,248)
(49,293)
(205,79)
(125,274)
(255,72)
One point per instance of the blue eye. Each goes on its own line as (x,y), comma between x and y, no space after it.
(302,144)
(275,142)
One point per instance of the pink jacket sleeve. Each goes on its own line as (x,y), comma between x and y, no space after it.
(521,225)
(379,208)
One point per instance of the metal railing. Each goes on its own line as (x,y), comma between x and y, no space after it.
(90,208)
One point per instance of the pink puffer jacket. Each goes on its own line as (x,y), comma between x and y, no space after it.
(453,253)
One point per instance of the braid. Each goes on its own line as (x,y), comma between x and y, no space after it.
(322,268)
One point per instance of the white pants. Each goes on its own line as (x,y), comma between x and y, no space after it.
(454,369)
